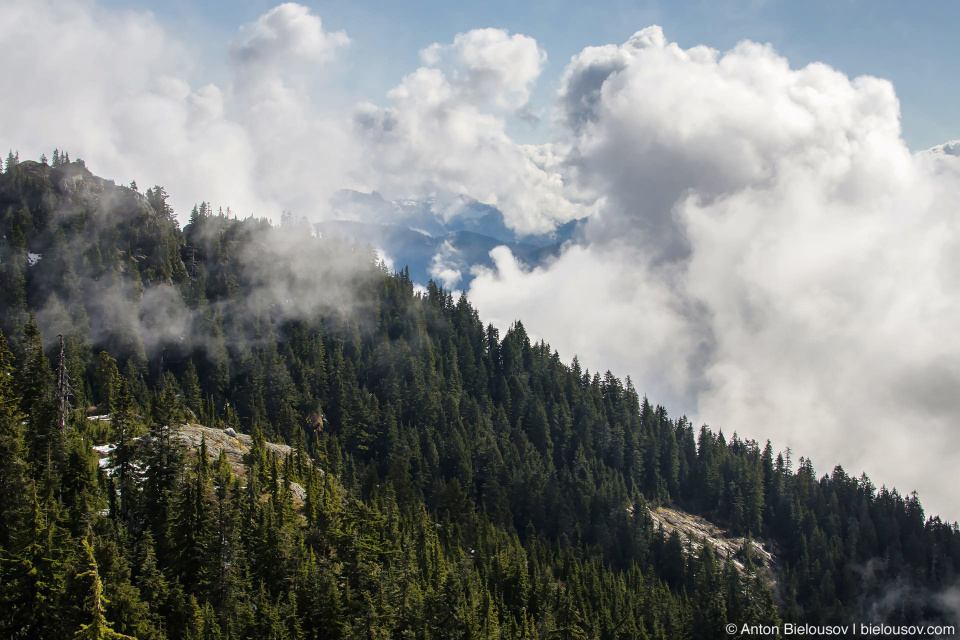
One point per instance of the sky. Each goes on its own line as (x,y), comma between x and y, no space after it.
(770,248)
(915,49)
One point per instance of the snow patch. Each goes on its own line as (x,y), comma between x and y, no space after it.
(105,451)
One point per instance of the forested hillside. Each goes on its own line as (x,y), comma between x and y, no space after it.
(459,483)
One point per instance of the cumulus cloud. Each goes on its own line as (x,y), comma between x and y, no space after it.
(489,65)
(769,256)
(444,133)
(285,36)
(951,148)
(303,154)
(116,88)
(108,86)
(288,30)
(617,314)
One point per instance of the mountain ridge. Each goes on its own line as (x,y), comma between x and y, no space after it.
(460,239)
(473,485)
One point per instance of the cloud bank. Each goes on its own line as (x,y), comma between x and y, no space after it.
(769,256)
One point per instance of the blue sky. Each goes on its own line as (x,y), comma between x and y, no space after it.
(913,45)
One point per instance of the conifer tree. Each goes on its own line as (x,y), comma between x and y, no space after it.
(98,628)
(107,381)
(15,483)
(434,440)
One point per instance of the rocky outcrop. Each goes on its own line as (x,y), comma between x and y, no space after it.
(697,530)
(71,188)
(236,445)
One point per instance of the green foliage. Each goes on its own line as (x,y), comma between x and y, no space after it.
(456,482)
(98,628)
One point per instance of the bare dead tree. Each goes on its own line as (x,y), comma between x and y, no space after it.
(64,390)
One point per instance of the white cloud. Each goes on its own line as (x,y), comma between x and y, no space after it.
(107,86)
(283,38)
(288,30)
(615,313)
(768,256)
(445,266)
(490,66)
(436,139)
(111,87)
(951,148)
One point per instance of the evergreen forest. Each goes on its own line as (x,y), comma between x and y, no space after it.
(456,482)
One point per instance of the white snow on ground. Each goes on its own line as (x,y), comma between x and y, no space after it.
(105,451)
(33,258)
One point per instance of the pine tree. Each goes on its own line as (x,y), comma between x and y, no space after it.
(569,622)
(191,390)
(192,527)
(19,516)
(15,484)
(98,628)
(107,382)
(29,580)
(126,428)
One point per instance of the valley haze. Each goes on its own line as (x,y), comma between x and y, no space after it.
(741,228)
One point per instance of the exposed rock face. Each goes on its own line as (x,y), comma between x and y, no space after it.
(697,530)
(69,188)
(236,445)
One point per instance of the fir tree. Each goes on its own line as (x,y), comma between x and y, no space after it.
(98,628)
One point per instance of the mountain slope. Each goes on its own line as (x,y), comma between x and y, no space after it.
(474,484)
